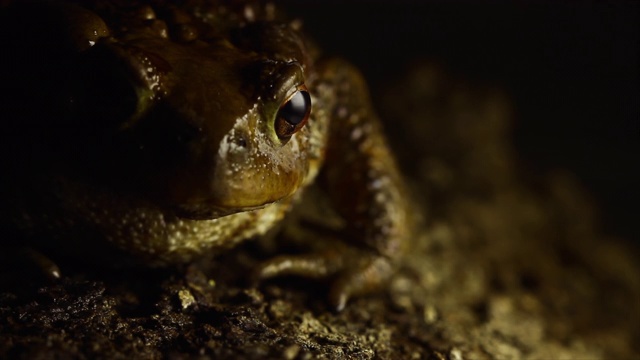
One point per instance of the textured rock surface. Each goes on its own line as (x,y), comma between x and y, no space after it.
(505,265)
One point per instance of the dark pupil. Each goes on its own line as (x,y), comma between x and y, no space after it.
(295,110)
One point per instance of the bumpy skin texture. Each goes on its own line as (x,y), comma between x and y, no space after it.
(154,129)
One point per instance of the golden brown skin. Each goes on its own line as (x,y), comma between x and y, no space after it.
(158,130)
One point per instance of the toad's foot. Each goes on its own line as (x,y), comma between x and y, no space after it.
(354,271)
(19,263)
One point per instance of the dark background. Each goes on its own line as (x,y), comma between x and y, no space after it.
(571,69)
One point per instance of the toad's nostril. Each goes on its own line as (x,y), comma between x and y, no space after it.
(240,141)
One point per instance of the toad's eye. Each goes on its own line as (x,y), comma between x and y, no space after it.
(293,113)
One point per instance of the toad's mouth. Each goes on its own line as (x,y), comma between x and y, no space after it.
(208,212)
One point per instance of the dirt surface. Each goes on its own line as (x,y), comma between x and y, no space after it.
(504,265)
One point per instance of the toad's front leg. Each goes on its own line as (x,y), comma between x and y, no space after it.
(364,184)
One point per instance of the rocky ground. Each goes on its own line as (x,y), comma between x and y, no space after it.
(505,264)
